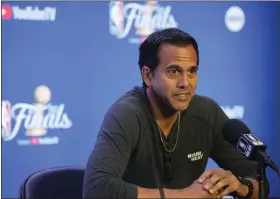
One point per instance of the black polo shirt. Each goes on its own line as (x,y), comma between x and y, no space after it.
(129,150)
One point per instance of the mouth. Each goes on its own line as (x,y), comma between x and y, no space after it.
(182,96)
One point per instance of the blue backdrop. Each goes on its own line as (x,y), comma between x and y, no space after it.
(65,63)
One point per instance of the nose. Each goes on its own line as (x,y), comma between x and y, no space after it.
(183,81)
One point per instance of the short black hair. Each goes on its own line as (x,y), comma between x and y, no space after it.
(148,50)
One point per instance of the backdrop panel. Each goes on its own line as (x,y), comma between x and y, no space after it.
(65,63)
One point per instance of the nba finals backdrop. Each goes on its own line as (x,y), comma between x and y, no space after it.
(65,63)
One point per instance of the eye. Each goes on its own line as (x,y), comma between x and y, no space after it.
(193,70)
(173,72)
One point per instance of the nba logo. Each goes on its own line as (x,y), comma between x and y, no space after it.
(116,19)
(6,118)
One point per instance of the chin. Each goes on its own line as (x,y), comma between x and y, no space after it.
(181,106)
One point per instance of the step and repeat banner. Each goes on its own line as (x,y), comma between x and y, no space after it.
(65,63)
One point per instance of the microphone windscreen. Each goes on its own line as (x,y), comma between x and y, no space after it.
(232,129)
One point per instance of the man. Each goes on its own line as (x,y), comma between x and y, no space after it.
(155,141)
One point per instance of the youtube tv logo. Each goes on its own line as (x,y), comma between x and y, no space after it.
(28,13)
(6,11)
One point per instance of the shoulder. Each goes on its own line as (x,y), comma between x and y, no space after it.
(203,105)
(129,107)
(206,109)
(123,120)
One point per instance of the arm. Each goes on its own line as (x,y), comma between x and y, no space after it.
(196,190)
(243,190)
(108,160)
(117,138)
(229,158)
(154,193)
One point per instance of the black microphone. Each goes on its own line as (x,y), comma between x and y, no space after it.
(237,133)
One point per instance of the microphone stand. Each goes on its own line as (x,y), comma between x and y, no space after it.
(262,164)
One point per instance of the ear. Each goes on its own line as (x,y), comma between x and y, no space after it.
(146,75)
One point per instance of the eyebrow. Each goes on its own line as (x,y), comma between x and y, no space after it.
(175,66)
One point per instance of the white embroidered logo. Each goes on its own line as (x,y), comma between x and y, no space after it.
(195,156)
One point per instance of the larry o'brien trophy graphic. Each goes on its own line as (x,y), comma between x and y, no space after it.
(6,118)
(118,13)
(144,18)
(42,96)
(147,28)
(34,120)
(116,17)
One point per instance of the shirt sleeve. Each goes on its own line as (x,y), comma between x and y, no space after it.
(106,165)
(226,155)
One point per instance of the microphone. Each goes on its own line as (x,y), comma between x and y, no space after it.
(237,133)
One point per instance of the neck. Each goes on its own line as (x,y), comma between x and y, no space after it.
(163,114)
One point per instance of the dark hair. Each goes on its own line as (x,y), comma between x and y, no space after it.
(148,51)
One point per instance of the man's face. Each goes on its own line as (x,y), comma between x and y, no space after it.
(175,78)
